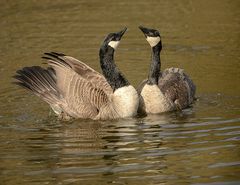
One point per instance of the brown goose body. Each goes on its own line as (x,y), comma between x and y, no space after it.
(166,90)
(75,90)
(175,91)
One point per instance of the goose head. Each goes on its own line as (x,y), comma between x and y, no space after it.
(106,54)
(125,97)
(152,36)
(112,40)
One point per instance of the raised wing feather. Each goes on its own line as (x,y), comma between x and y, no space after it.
(84,71)
(84,90)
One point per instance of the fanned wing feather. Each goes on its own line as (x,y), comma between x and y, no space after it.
(40,81)
(70,87)
(85,91)
(82,69)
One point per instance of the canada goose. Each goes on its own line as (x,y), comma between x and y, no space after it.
(166,90)
(74,90)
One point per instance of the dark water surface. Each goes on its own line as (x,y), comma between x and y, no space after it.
(197,146)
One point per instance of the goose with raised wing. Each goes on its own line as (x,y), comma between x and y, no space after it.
(75,90)
(167,90)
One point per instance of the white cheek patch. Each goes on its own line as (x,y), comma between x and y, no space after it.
(153,41)
(114,44)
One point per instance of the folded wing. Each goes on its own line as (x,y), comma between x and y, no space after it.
(177,86)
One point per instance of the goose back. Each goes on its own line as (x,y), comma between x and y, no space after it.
(177,87)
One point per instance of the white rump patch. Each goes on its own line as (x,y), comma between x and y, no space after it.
(114,44)
(153,41)
(126,101)
(154,100)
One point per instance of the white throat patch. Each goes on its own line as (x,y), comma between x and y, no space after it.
(114,44)
(153,41)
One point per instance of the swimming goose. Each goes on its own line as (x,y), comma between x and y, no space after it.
(166,90)
(75,90)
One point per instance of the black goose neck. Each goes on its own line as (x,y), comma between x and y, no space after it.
(155,66)
(114,77)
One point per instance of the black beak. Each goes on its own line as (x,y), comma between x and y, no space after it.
(144,30)
(121,33)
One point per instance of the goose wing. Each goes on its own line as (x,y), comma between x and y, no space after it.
(177,86)
(83,90)
(80,68)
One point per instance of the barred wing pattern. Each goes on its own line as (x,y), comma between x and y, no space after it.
(84,91)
